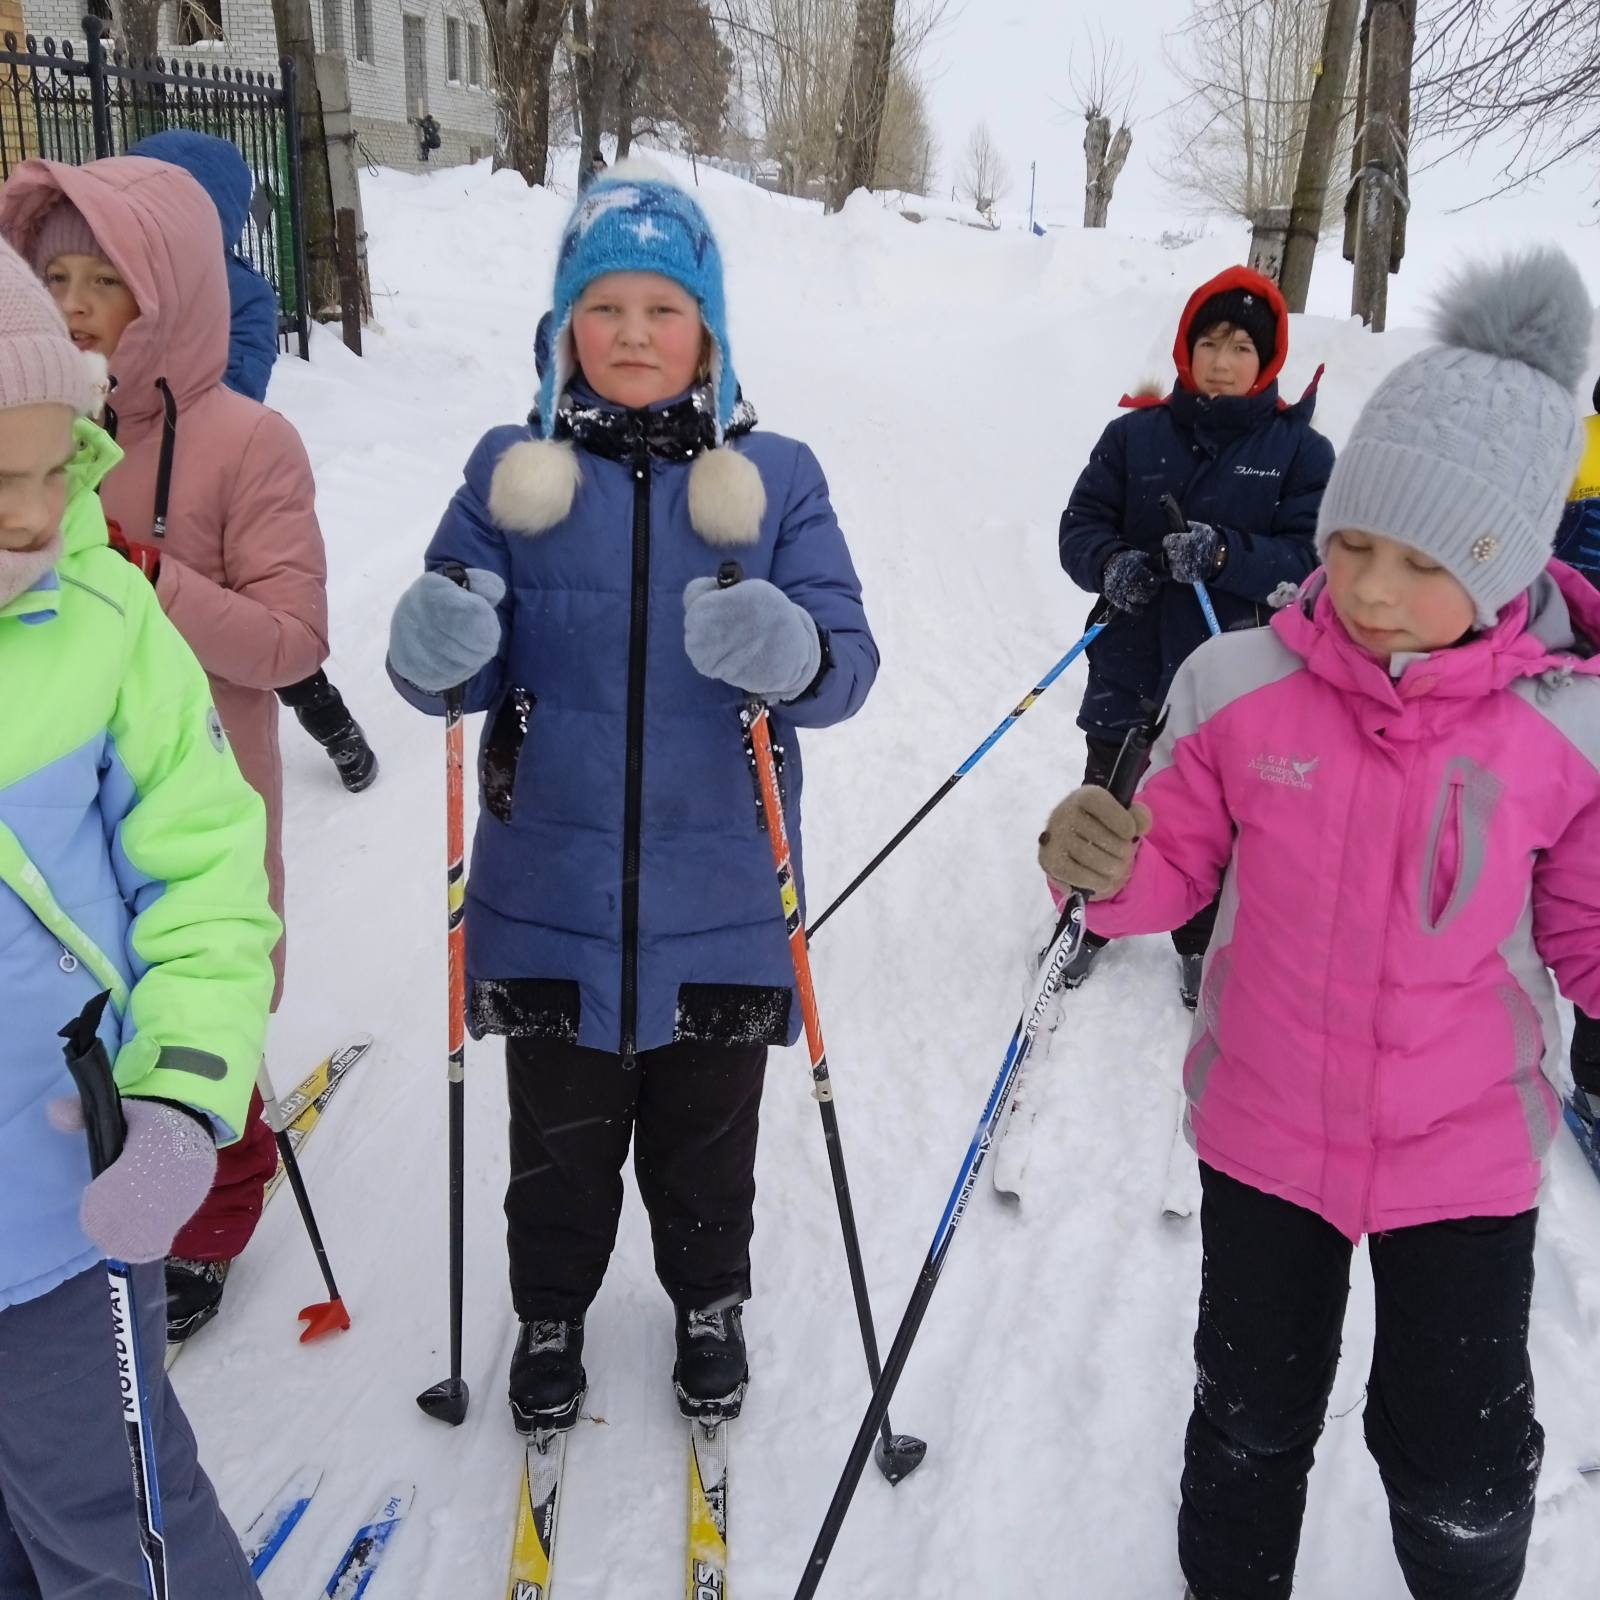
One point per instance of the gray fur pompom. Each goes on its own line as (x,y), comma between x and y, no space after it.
(1531,308)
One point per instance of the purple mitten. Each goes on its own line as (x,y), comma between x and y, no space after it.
(134,1209)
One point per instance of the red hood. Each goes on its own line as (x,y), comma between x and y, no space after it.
(159,229)
(1252,283)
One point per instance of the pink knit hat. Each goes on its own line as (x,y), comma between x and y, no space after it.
(39,364)
(63,232)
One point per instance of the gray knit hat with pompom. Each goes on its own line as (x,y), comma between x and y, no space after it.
(1467,450)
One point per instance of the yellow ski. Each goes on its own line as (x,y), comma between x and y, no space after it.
(533,1550)
(708,1511)
(302,1109)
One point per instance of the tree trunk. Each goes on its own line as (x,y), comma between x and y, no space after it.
(1381,182)
(138,27)
(1104,158)
(292,22)
(855,159)
(595,55)
(1317,151)
(627,96)
(524,39)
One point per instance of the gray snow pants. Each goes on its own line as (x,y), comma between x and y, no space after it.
(67,1521)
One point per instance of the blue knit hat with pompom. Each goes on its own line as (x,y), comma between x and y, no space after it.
(634,218)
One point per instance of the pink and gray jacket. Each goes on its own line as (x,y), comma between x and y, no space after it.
(1402,862)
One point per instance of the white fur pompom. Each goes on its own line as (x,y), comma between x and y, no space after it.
(1532,308)
(99,383)
(727,498)
(637,169)
(534,485)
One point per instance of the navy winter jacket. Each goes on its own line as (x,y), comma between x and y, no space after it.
(1251,468)
(622,893)
(220,170)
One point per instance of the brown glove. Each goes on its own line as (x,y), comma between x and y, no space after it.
(1089,841)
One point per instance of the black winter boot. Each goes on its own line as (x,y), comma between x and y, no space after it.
(548,1382)
(320,710)
(194,1295)
(352,756)
(1190,970)
(711,1370)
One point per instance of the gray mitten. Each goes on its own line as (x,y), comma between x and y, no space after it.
(134,1209)
(441,634)
(751,635)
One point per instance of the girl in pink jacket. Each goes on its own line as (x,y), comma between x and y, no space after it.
(1395,788)
(214,501)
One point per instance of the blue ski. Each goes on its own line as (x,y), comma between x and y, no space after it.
(265,1537)
(359,1564)
(1585,1132)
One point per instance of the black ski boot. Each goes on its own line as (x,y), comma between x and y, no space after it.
(352,756)
(320,710)
(1190,970)
(548,1382)
(194,1295)
(711,1370)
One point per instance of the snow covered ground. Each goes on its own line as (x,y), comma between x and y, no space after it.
(951,382)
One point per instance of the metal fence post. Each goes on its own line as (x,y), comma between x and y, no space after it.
(297,207)
(99,103)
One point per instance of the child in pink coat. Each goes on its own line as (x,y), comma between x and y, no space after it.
(1395,788)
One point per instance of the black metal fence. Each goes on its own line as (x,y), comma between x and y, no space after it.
(73,105)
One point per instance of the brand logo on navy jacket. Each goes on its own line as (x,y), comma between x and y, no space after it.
(1287,772)
(1242,471)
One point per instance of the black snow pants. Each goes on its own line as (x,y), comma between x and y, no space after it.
(1449,1413)
(691,1111)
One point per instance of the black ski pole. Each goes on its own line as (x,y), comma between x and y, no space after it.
(90,1067)
(898,1454)
(1068,936)
(1090,635)
(447,1400)
(326,1316)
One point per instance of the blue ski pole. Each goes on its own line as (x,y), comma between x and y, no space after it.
(1064,946)
(1179,522)
(102,1120)
(814,928)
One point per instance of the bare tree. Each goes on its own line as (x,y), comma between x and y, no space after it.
(1528,70)
(984,178)
(866,90)
(1318,151)
(1380,190)
(793,63)
(292,24)
(1249,68)
(908,153)
(138,24)
(523,35)
(1101,92)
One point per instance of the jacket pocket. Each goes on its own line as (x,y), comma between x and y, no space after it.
(502,751)
(733,1013)
(1458,843)
(525,1008)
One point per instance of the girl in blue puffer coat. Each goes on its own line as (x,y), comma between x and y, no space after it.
(623,929)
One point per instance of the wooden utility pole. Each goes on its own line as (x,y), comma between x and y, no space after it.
(1380,193)
(292,20)
(1323,117)
(855,160)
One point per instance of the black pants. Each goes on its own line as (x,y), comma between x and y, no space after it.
(1194,937)
(691,1111)
(319,706)
(1586,1051)
(1449,1415)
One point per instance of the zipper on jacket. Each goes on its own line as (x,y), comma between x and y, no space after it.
(633,802)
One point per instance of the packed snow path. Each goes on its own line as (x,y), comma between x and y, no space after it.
(951,383)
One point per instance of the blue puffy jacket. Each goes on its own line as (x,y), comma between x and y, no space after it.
(622,893)
(220,170)
(1248,465)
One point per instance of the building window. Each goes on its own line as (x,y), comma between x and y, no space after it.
(333,25)
(362,17)
(414,45)
(199,22)
(452,49)
(474,55)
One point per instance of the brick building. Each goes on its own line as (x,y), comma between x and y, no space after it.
(406,58)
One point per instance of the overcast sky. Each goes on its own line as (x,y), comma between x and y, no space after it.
(1006,62)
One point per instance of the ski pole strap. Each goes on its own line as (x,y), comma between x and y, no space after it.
(90,1067)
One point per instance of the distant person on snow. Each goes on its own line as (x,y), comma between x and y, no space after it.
(220,170)
(1396,788)
(132,865)
(1247,473)
(213,502)
(623,926)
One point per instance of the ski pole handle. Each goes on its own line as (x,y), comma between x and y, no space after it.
(90,1067)
(728,574)
(1134,756)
